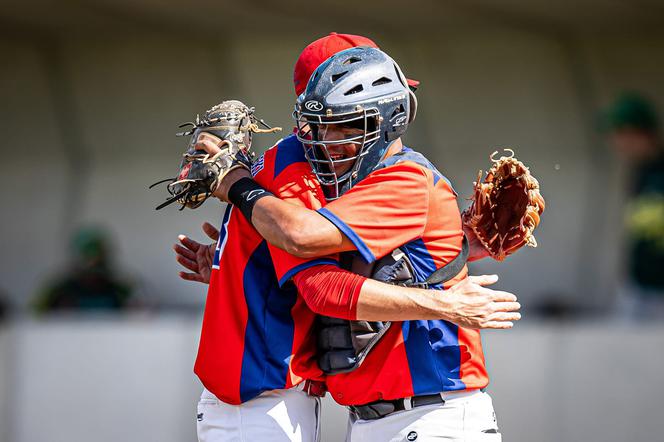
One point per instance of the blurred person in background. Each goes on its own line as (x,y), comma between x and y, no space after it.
(633,131)
(91,282)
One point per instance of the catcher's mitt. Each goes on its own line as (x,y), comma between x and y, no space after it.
(200,173)
(506,207)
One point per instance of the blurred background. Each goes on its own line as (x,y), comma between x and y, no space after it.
(98,333)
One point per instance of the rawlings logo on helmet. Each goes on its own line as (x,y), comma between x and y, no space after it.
(313,105)
(391,99)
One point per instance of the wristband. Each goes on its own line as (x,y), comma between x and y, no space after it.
(244,194)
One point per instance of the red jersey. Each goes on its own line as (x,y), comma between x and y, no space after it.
(408,204)
(256,335)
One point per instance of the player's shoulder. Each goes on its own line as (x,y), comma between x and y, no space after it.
(407,158)
(409,161)
(405,162)
(286,152)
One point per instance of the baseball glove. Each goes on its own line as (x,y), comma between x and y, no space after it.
(506,207)
(200,173)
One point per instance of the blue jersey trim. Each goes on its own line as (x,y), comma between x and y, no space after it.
(436,178)
(289,151)
(279,335)
(223,236)
(268,338)
(364,250)
(447,353)
(419,256)
(305,265)
(424,376)
(432,347)
(434,356)
(409,154)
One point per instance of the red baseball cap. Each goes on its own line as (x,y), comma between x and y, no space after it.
(320,50)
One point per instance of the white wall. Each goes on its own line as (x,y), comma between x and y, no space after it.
(6,377)
(130,379)
(104,380)
(574,382)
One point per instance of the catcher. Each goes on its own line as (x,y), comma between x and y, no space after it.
(351,173)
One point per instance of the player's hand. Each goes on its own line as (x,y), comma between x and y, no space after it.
(196,257)
(210,144)
(472,305)
(475,248)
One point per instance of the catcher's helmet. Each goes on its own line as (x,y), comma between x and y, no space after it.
(361,88)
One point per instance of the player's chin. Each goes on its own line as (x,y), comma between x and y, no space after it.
(342,169)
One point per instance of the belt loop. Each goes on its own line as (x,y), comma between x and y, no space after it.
(408,403)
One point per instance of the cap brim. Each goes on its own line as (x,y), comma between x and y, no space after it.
(413,84)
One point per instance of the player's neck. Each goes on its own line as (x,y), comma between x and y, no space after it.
(395,147)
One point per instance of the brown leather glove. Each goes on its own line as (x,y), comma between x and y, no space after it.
(506,207)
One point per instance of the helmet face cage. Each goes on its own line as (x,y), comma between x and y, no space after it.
(311,130)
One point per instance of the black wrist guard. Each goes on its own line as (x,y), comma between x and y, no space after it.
(244,194)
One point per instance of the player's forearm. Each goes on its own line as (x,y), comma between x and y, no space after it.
(378,301)
(331,291)
(300,231)
(467,304)
(296,229)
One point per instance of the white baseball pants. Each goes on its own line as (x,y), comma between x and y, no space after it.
(465,417)
(275,416)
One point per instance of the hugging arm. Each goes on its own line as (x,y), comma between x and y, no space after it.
(306,233)
(331,291)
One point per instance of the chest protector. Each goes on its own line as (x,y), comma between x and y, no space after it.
(342,344)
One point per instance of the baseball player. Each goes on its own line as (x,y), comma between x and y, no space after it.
(423,378)
(252,347)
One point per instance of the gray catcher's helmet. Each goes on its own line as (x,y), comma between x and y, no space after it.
(362,88)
